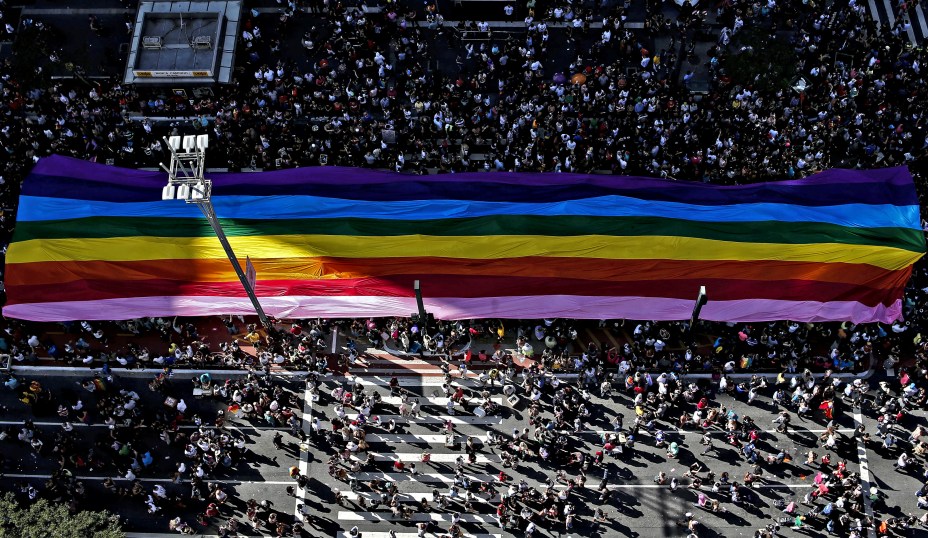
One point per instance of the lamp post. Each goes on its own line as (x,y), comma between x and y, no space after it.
(419,303)
(424,317)
(186,182)
(701,301)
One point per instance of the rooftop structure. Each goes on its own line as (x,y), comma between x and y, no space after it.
(183,43)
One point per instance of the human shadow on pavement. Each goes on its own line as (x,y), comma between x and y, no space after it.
(258,460)
(732,518)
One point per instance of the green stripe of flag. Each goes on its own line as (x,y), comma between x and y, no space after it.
(747,232)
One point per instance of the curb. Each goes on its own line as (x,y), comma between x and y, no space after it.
(77,371)
(147,372)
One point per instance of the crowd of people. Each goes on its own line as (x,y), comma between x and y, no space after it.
(661,400)
(380,89)
(201,451)
(662,404)
(302,344)
(576,497)
(371,91)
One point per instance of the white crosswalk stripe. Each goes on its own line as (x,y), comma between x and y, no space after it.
(874,12)
(404,438)
(416,457)
(412,497)
(430,400)
(890,16)
(886,12)
(386,360)
(920,16)
(375,379)
(407,444)
(364,490)
(413,535)
(436,517)
(421,477)
(441,419)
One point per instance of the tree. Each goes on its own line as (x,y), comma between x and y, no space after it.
(47,520)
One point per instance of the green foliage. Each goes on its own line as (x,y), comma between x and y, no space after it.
(52,520)
(767,64)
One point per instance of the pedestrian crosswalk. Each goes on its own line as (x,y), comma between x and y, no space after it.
(442,419)
(389,360)
(434,473)
(443,474)
(386,534)
(396,400)
(407,457)
(432,516)
(414,381)
(397,438)
(910,22)
(403,497)
(381,363)
(449,472)
(425,478)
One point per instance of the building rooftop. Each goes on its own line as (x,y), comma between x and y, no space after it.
(183,42)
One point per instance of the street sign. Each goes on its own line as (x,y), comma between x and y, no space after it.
(250,273)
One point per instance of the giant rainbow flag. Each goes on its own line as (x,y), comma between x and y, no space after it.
(97,242)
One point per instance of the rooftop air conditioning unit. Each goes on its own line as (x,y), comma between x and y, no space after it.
(202,42)
(151,42)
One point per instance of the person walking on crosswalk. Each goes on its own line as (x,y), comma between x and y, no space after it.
(530,529)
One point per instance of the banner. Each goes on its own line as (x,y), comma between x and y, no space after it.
(97,242)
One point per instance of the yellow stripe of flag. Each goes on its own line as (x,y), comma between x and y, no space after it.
(473,247)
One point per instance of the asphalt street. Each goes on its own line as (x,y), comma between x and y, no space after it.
(639,508)
(263,475)
(898,486)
